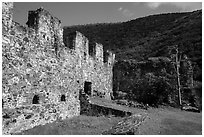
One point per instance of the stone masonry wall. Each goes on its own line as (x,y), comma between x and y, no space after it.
(42,76)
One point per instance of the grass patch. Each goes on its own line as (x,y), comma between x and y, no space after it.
(179,127)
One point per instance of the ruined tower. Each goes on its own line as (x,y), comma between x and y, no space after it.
(47,27)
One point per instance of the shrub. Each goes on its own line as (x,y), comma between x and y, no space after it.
(152,90)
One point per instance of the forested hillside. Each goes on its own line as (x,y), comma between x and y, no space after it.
(151,36)
(148,36)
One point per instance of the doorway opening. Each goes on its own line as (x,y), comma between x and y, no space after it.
(36,99)
(87,87)
(63,98)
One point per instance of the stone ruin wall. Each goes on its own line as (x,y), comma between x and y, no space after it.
(42,75)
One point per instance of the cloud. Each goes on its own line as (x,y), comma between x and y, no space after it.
(120,8)
(153,5)
(126,12)
(185,6)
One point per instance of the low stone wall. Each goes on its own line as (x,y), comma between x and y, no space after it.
(91,109)
(97,110)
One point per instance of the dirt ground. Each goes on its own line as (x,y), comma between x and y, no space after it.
(160,121)
(171,121)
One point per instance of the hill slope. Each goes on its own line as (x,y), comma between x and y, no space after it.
(150,36)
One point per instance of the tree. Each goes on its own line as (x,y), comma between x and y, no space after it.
(177,57)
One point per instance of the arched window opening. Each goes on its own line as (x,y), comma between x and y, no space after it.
(87,87)
(63,98)
(44,36)
(2,103)
(36,99)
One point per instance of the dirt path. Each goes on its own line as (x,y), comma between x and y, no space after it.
(171,121)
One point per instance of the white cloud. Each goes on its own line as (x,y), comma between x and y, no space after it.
(154,5)
(188,5)
(126,12)
(185,6)
(120,8)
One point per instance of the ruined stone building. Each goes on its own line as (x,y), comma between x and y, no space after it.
(42,74)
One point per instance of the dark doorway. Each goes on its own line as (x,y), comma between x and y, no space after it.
(36,99)
(63,98)
(87,87)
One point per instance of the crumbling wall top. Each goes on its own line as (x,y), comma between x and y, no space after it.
(7,16)
(36,16)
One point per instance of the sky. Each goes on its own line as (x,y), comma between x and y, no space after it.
(76,13)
